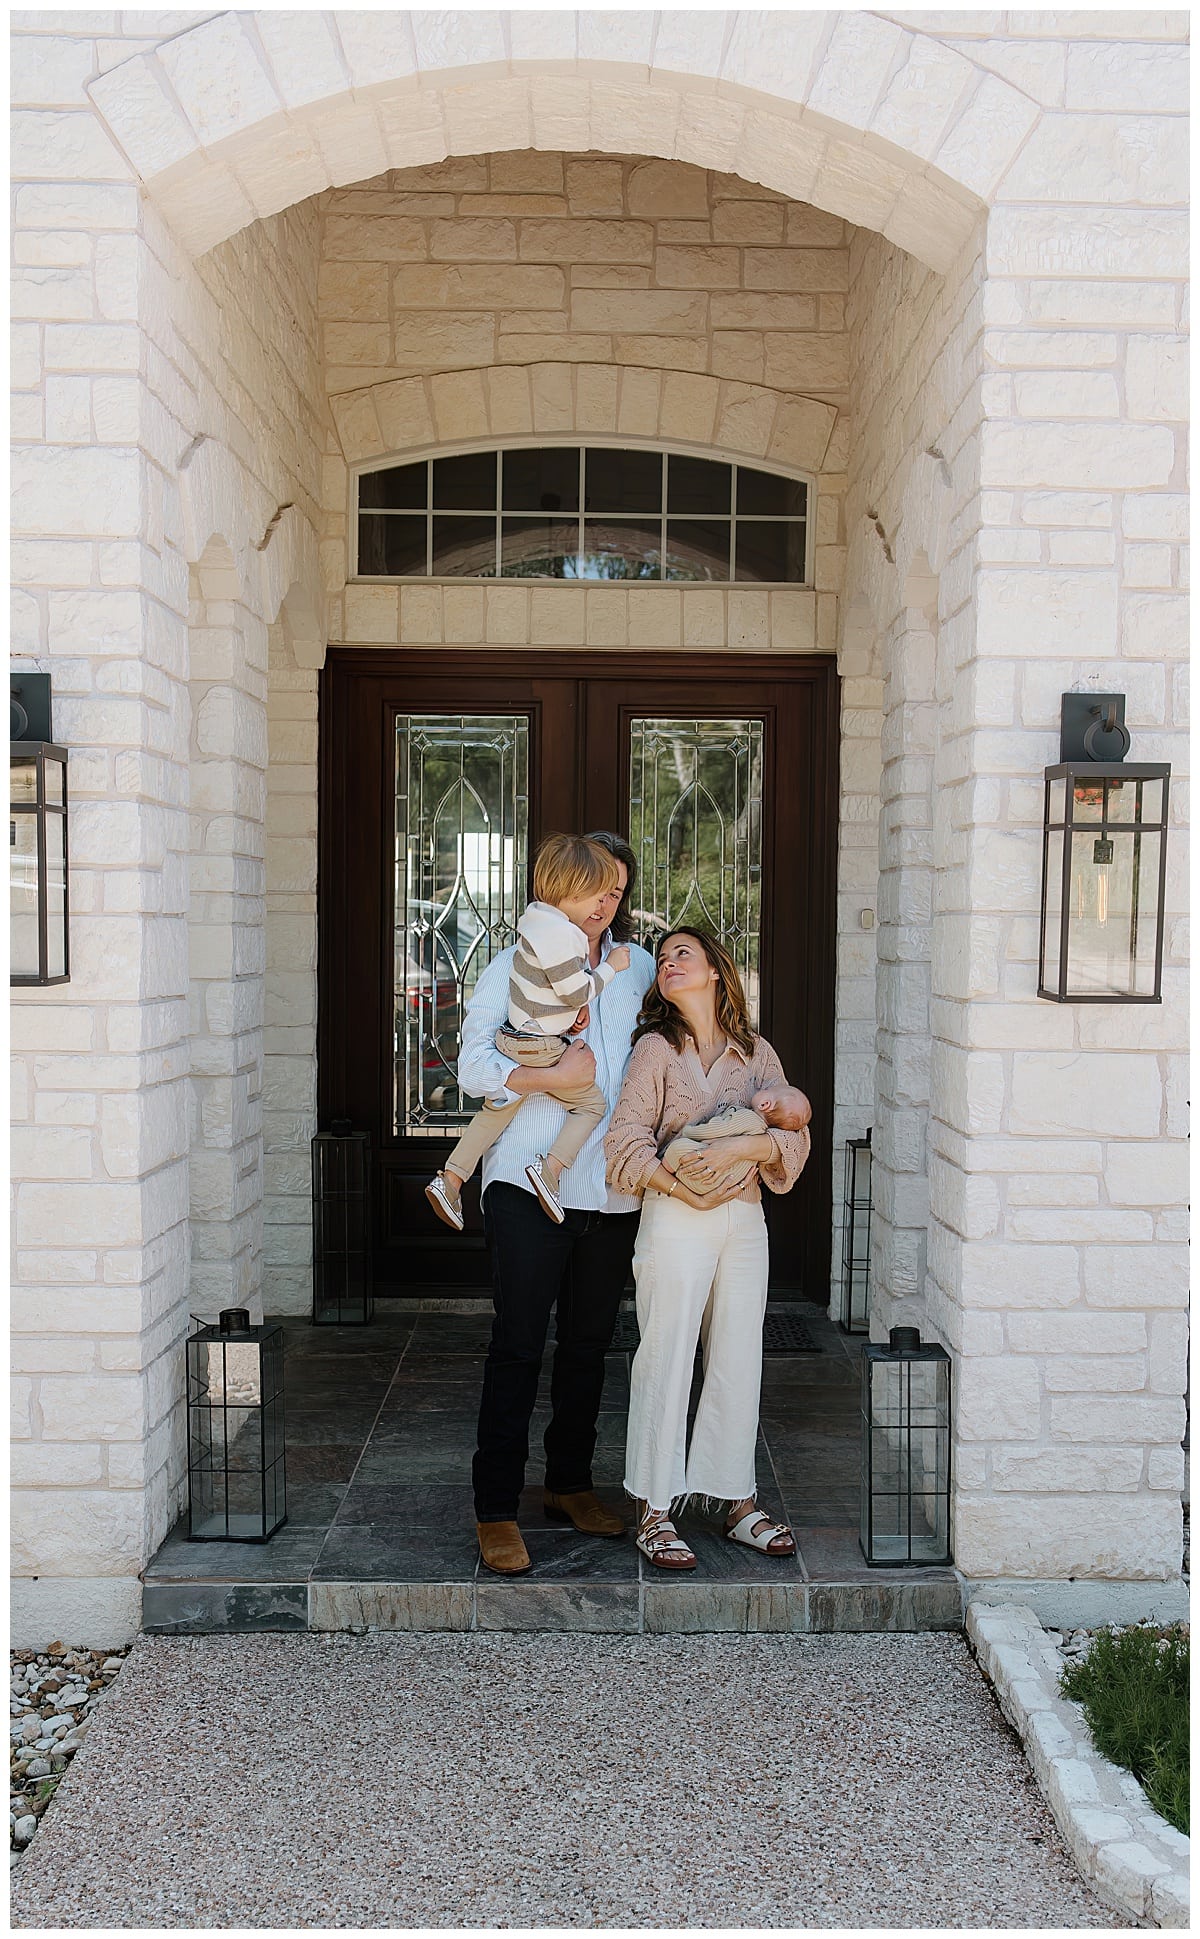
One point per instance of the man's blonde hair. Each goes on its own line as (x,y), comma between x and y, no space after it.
(567,867)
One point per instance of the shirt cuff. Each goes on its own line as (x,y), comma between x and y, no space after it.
(504,1095)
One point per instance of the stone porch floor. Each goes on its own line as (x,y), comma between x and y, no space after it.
(380,1531)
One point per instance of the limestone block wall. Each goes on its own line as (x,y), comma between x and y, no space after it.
(1054,1154)
(157,403)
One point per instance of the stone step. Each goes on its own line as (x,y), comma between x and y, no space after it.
(928,1599)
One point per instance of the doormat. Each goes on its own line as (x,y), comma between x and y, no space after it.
(782,1333)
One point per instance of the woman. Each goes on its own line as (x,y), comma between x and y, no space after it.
(700,1262)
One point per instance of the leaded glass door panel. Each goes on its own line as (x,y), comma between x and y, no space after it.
(462,850)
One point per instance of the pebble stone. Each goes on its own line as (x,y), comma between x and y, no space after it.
(51,1697)
(549,1780)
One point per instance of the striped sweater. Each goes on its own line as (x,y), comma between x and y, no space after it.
(550,981)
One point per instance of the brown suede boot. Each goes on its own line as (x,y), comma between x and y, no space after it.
(585,1511)
(502,1549)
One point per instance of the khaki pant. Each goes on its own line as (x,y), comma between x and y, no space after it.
(585,1109)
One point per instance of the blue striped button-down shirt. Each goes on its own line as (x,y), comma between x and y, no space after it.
(483,1072)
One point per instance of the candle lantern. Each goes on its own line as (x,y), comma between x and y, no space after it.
(1104,863)
(341,1193)
(905,1451)
(236,1478)
(856,1237)
(39,951)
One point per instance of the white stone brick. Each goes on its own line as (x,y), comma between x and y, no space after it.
(1082,456)
(1101,159)
(1123,76)
(1066,393)
(1156,377)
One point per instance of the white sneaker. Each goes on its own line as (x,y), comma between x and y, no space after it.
(546,1193)
(445,1203)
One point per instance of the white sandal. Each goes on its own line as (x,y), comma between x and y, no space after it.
(754,1530)
(658,1539)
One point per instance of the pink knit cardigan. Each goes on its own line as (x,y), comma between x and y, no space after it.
(664,1090)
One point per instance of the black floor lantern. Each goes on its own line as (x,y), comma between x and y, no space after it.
(905,1451)
(237,1489)
(855,1313)
(341,1191)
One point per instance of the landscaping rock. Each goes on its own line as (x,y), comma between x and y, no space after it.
(52,1694)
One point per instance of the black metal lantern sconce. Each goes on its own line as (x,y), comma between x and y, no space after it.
(237,1487)
(855,1314)
(905,1503)
(1104,862)
(39,915)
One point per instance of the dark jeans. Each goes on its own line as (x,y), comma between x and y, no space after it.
(580,1267)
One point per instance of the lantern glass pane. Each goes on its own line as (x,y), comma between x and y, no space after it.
(56,890)
(24,949)
(22,785)
(1058,802)
(1089,799)
(55,782)
(1134,802)
(1051,964)
(1113,914)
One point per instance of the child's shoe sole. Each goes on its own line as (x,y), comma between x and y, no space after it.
(547,1197)
(448,1210)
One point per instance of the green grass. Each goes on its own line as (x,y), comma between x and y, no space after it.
(1134,1691)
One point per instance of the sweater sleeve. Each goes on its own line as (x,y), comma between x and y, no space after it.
(554,947)
(631,1141)
(780,1173)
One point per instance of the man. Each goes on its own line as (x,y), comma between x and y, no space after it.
(578,1269)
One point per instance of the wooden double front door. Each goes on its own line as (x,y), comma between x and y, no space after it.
(441,771)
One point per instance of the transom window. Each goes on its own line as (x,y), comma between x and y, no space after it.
(581,512)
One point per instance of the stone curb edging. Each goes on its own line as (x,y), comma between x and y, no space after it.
(1135,1860)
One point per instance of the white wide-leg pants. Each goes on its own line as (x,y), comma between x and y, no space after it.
(699,1275)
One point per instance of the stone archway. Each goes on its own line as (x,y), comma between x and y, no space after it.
(247,113)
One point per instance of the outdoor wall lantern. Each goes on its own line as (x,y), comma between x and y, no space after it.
(39,949)
(856,1237)
(341,1199)
(236,1478)
(905,1451)
(1104,862)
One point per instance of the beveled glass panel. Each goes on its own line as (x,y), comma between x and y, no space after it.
(462,822)
(695,823)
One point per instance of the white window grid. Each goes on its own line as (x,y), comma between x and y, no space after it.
(498,512)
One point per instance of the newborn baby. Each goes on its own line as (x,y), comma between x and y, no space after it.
(781,1105)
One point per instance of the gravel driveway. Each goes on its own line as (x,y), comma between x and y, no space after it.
(550,1780)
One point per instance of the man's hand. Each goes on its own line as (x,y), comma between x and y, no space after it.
(574,1071)
(783,1106)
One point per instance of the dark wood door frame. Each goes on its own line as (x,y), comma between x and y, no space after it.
(578,773)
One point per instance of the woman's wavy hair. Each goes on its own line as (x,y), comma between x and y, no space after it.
(622,928)
(658,1018)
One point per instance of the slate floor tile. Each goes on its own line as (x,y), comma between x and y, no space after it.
(389,1552)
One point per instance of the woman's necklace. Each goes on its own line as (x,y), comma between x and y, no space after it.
(708,1053)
